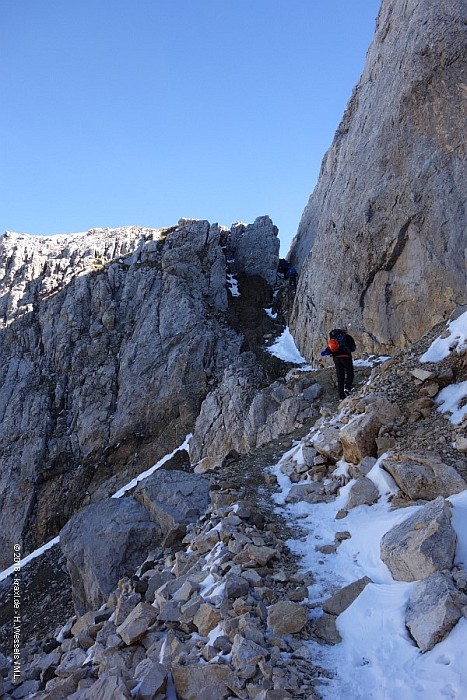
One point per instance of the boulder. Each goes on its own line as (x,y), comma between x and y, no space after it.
(107,687)
(137,622)
(287,617)
(246,655)
(152,679)
(362,492)
(327,443)
(421,545)
(313,392)
(358,437)
(341,600)
(102,543)
(424,476)
(434,607)
(207,681)
(251,258)
(173,499)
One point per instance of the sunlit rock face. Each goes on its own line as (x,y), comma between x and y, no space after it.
(109,342)
(382,241)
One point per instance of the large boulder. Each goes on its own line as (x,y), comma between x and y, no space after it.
(102,543)
(421,545)
(424,476)
(327,443)
(173,498)
(358,437)
(434,607)
(255,248)
(388,211)
(207,681)
(362,492)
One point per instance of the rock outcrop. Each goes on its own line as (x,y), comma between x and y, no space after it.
(385,226)
(109,342)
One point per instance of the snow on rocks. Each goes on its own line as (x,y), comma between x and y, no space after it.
(434,607)
(211,620)
(421,475)
(422,544)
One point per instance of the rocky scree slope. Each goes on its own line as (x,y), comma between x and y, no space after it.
(384,229)
(109,342)
(226,613)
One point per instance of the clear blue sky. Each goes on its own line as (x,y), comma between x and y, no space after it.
(119,112)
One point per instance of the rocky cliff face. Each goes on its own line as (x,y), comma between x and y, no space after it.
(382,241)
(109,342)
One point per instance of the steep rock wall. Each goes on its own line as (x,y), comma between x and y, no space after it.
(109,342)
(382,241)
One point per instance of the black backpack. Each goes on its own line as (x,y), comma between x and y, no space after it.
(338,336)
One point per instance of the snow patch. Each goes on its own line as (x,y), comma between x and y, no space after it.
(456,339)
(285,349)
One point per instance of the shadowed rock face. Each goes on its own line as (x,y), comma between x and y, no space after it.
(109,342)
(381,243)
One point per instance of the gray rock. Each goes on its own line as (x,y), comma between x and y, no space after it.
(111,340)
(422,544)
(152,677)
(362,468)
(236,586)
(173,498)
(341,600)
(363,492)
(388,205)
(312,392)
(107,687)
(251,258)
(434,607)
(421,475)
(327,443)
(246,655)
(71,661)
(137,622)
(102,543)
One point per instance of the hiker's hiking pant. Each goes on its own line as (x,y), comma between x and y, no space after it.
(345,375)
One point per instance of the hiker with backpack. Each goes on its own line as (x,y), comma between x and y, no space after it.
(340,346)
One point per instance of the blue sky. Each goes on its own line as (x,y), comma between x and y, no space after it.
(120,112)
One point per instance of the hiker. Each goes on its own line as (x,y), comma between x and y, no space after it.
(341,345)
(292,276)
(283,267)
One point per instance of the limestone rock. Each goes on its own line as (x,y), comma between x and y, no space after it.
(287,617)
(388,205)
(173,498)
(358,437)
(327,443)
(111,339)
(208,681)
(137,622)
(421,475)
(206,619)
(422,544)
(363,492)
(152,677)
(341,600)
(108,687)
(434,607)
(102,543)
(251,258)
